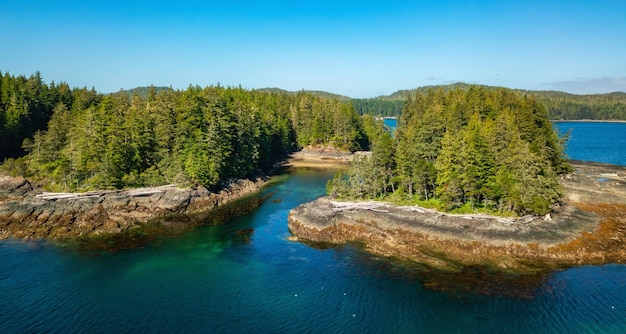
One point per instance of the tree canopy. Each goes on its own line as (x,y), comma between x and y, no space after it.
(200,136)
(560,105)
(493,149)
(26,106)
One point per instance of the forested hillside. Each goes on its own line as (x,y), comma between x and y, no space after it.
(560,105)
(317,93)
(196,136)
(144,92)
(479,148)
(379,107)
(564,106)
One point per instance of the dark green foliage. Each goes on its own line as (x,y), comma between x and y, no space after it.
(144,92)
(320,121)
(26,105)
(493,149)
(563,106)
(199,136)
(378,107)
(371,173)
(317,93)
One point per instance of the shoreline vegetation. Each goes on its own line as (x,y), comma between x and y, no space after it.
(27,211)
(462,150)
(589,228)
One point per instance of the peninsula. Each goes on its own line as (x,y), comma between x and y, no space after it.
(459,165)
(588,228)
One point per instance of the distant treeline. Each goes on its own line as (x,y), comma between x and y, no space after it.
(560,105)
(77,139)
(563,106)
(379,107)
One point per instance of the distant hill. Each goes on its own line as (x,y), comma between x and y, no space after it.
(560,105)
(143,91)
(557,95)
(312,92)
(565,106)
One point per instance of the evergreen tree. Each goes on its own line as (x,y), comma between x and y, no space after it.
(488,148)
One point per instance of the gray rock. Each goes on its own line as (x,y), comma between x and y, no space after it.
(22,215)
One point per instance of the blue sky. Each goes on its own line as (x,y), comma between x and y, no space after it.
(354,48)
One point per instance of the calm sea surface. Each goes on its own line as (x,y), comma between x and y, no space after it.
(246,277)
(600,142)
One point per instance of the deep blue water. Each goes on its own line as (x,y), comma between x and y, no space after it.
(392,123)
(245,276)
(591,141)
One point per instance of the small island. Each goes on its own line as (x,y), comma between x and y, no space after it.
(589,228)
(473,178)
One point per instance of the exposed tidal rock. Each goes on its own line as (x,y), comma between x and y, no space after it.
(589,228)
(570,237)
(27,213)
(320,158)
(13,187)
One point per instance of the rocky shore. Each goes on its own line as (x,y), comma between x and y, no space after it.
(590,228)
(27,212)
(320,158)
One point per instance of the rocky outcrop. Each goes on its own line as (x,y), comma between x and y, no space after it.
(578,233)
(12,188)
(320,158)
(23,214)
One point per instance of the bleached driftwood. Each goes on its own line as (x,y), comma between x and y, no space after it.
(55,196)
(348,206)
(94,194)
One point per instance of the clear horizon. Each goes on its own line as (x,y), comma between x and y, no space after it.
(358,49)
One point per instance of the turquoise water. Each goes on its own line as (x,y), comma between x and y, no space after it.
(246,277)
(600,142)
(392,123)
